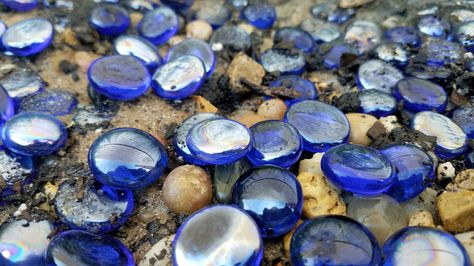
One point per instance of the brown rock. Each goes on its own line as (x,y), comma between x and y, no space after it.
(70,37)
(421,218)
(463,180)
(353,3)
(204,106)
(199,29)
(456,210)
(360,124)
(273,109)
(244,67)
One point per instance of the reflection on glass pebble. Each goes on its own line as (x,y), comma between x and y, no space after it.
(376,74)
(261,16)
(464,117)
(302,87)
(180,5)
(139,48)
(28,37)
(158,25)
(364,35)
(15,169)
(377,103)
(462,15)
(321,31)
(204,237)
(298,38)
(441,52)
(434,26)
(3,28)
(420,95)
(127,158)
(284,60)
(404,35)
(22,82)
(332,60)
(465,35)
(233,37)
(198,48)
(53,102)
(141,5)
(394,53)
(225,177)
(109,20)
(7,109)
(21,5)
(214,13)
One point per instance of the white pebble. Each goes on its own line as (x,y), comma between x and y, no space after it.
(446,170)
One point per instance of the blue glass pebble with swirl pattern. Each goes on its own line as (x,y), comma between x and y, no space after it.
(7,109)
(376,74)
(230,36)
(358,169)
(158,25)
(333,240)
(28,37)
(127,158)
(272,196)
(464,117)
(34,134)
(261,16)
(53,102)
(321,125)
(180,5)
(404,35)
(109,20)
(140,48)
(198,48)
(418,95)
(303,87)
(21,5)
(215,14)
(298,38)
(441,52)
(465,35)
(3,28)
(203,239)
(284,60)
(434,26)
(77,247)
(377,103)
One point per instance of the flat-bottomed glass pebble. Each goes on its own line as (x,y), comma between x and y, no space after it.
(434,26)
(321,125)
(28,37)
(53,102)
(321,31)
(284,60)
(139,48)
(376,74)
(34,134)
(21,5)
(214,13)
(233,37)
(127,158)
(420,95)
(7,110)
(302,87)
(119,77)
(465,35)
(441,52)
(272,196)
(15,170)
(298,38)
(333,240)
(77,247)
(451,140)
(404,35)
(394,53)
(364,35)
(225,177)
(425,246)
(464,117)
(261,16)
(377,103)
(109,20)
(198,48)
(158,25)
(22,82)
(332,60)
(358,169)
(204,238)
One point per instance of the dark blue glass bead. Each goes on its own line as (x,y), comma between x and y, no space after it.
(77,247)
(7,109)
(179,141)
(119,77)
(464,117)
(127,158)
(24,243)
(219,141)
(376,74)
(358,169)
(198,48)
(465,36)
(16,169)
(100,209)
(261,16)
(403,35)
(215,14)
(275,142)
(425,246)
(364,35)
(469,160)
(158,25)
(204,237)
(3,28)
(321,31)
(341,15)
(233,37)
(140,48)
(441,52)
(451,141)
(414,170)
(21,5)
(393,53)
(53,102)
(420,95)
(272,196)
(462,15)
(284,60)
(303,87)
(34,134)
(332,60)
(180,5)
(179,78)
(333,240)
(298,38)
(225,177)
(22,82)
(321,125)
(109,20)
(377,103)
(28,37)
(434,26)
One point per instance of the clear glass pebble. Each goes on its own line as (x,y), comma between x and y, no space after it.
(22,82)
(321,31)
(420,95)
(404,35)
(464,117)
(261,16)
(7,108)
(28,37)
(434,26)
(233,37)
(158,25)
(225,177)
(53,102)
(109,20)
(364,35)
(140,48)
(303,87)
(21,5)
(376,74)
(214,13)
(377,103)
(298,38)
(198,48)
(284,60)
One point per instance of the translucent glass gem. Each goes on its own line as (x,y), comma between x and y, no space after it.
(404,35)
(119,77)
(434,26)
(219,224)
(21,5)
(214,13)
(303,87)
(109,20)
(420,95)
(7,109)
(332,60)
(158,25)
(53,102)
(127,158)
(376,74)
(233,37)
(179,141)
(180,5)
(3,28)
(364,35)
(321,31)
(358,169)
(464,117)
(377,103)
(15,170)
(298,38)
(140,48)
(321,125)
(28,37)
(179,78)
(465,35)
(451,140)
(261,16)
(22,82)
(225,177)
(333,240)
(24,243)
(77,247)
(394,53)
(195,47)
(284,60)
(426,246)
(99,209)
(441,52)
(414,170)
(34,134)
(272,196)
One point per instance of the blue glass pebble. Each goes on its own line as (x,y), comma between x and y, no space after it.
(21,5)
(109,20)
(275,142)
(425,246)
(434,26)
(3,28)
(321,31)
(179,78)
(393,53)
(215,14)
(332,60)
(358,169)
(341,15)
(376,74)
(204,237)
(34,134)
(7,109)
(230,36)
(462,15)
(127,158)
(377,103)
(261,16)
(180,5)
(303,87)
(24,243)
(441,52)
(451,141)
(469,160)
(219,141)
(28,37)
(321,125)
(22,82)
(119,77)
(435,73)
(140,48)
(322,11)
(272,196)
(414,170)
(77,247)
(404,35)
(53,102)
(284,60)
(464,117)
(102,103)
(298,38)
(158,25)
(420,95)
(16,169)
(465,35)
(198,48)
(333,240)
(364,35)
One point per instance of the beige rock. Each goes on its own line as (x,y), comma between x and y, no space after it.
(463,180)
(84,59)
(353,3)
(421,218)
(273,109)
(312,165)
(320,198)
(204,106)
(247,27)
(456,210)
(176,39)
(287,238)
(135,17)
(467,240)
(243,66)
(389,122)
(247,117)
(360,124)
(159,254)
(70,37)
(199,29)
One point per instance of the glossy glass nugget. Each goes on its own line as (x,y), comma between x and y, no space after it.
(261,16)
(404,35)
(195,47)
(158,25)
(376,74)
(215,14)
(302,87)
(21,5)
(109,20)
(28,37)
(377,103)
(284,60)
(230,36)
(7,110)
(53,102)
(140,48)
(464,117)
(420,95)
(300,39)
